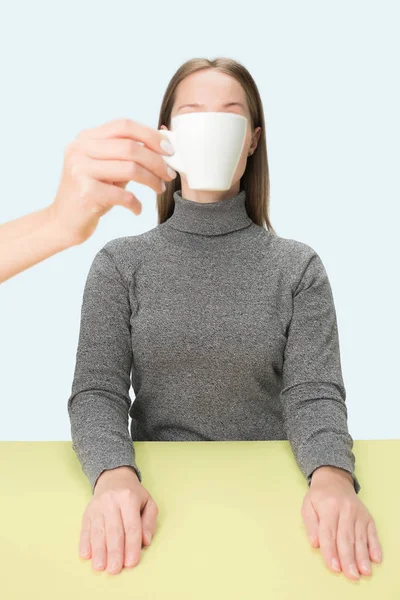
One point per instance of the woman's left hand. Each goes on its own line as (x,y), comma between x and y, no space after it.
(339,523)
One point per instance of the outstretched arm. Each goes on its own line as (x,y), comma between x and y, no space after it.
(98,164)
(28,240)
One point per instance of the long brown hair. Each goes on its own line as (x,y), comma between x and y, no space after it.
(255,179)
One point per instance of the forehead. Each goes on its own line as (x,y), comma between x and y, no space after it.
(209,87)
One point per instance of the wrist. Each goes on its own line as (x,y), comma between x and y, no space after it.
(117,472)
(67,234)
(55,229)
(326,473)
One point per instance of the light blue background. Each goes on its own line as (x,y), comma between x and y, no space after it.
(328,73)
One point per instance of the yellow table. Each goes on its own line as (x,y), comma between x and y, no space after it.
(229,525)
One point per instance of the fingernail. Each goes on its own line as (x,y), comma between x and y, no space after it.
(354,571)
(335,564)
(366,566)
(148,536)
(130,559)
(377,555)
(163,186)
(171,172)
(166,146)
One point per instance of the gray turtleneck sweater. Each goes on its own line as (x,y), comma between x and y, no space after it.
(225,330)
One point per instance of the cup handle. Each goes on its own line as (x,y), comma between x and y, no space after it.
(173,160)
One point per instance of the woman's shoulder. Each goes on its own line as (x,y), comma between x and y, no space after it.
(126,253)
(287,250)
(129,245)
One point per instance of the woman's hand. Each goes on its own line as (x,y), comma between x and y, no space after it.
(118,519)
(338,522)
(98,164)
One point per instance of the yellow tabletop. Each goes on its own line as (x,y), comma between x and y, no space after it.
(229,525)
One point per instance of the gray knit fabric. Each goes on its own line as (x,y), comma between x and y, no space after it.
(225,331)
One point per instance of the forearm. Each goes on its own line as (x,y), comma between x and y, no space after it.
(316,422)
(100,436)
(28,240)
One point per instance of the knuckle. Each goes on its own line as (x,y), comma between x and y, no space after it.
(371,523)
(127,495)
(97,530)
(132,148)
(124,124)
(133,529)
(82,134)
(348,504)
(348,538)
(332,503)
(75,169)
(362,538)
(108,497)
(328,536)
(349,508)
(70,149)
(84,188)
(116,534)
(132,169)
(154,505)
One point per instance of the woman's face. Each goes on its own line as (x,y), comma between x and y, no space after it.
(211,90)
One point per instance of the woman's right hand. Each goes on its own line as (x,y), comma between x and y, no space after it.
(98,164)
(117,521)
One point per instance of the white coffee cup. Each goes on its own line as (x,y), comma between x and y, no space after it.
(208,146)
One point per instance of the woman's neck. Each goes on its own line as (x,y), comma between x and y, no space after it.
(208,196)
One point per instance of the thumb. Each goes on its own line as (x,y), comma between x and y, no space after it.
(149,517)
(311,521)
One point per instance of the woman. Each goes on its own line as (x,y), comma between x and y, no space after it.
(216,316)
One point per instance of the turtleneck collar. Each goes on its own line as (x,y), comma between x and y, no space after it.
(209,218)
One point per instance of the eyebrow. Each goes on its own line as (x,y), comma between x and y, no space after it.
(197,105)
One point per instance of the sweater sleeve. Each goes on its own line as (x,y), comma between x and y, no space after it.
(99,403)
(313,395)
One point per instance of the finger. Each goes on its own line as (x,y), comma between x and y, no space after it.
(128,150)
(125,128)
(121,171)
(149,518)
(327,538)
(105,196)
(130,511)
(311,522)
(374,546)
(361,537)
(98,542)
(115,536)
(346,544)
(84,542)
